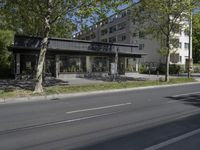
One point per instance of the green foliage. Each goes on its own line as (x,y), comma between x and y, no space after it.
(196,68)
(6,39)
(162,19)
(176,69)
(90,87)
(27,16)
(143,69)
(196,38)
(173,69)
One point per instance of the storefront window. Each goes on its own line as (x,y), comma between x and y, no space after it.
(72,64)
(28,64)
(100,64)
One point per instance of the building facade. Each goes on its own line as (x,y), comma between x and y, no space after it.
(67,58)
(118,28)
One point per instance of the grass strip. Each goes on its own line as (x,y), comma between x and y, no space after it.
(90,87)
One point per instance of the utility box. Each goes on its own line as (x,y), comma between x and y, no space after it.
(187,62)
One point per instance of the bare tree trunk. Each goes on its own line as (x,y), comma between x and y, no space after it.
(38,85)
(168,47)
(167,67)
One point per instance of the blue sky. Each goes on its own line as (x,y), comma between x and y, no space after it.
(109,14)
(121,7)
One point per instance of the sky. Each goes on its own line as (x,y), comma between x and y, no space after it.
(121,7)
(109,14)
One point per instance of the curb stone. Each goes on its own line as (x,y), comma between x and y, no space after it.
(70,95)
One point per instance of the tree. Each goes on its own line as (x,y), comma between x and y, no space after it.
(25,17)
(196,37)
(162,19)
(6,38)
(45,14)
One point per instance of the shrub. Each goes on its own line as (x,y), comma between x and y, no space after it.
(196,69)
(143,68)
(173,69)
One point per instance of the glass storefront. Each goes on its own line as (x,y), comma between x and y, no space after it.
(28,64)
(72,64)
(130,64)
(100,64)
(50,65)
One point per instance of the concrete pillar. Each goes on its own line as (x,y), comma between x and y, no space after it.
(108,63)
(89,63)
(137,65)
(57,65)
(17,63)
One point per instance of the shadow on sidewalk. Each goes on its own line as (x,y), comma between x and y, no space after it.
(10,85)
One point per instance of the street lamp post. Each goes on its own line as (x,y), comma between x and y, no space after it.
(190,46)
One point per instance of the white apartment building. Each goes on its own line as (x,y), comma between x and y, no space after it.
(118,28)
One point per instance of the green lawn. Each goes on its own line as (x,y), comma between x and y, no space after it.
(90,87)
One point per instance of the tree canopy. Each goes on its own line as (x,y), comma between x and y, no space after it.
(27,17)
(196,38)
(6,38)
(163,19)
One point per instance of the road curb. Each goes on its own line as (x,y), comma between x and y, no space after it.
(70,95)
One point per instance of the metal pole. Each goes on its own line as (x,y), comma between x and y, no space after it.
(190,46)
(116,61)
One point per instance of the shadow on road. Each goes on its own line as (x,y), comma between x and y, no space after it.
(148,137)
(192,99)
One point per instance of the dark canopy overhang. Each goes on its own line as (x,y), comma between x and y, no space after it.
(59,45)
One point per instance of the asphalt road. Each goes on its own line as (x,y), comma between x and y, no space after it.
(158,118)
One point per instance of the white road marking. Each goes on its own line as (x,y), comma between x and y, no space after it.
(172,101)
(173,140)
(186,94)
(98,108)
(56,123)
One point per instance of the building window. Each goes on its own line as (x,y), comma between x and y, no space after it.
(87,37)
(180,45)
(176,29)
(174,58)
(141,35)
(112,18)
(180,58)
(104,40)
(104,23)
(121,26)
(134,34)
(186,32)
(93,36)
(123,14)
(175,43)
(100,64)
(186,46)
(180,32)
(104,32)
(72,64)
(28,64)
(112,39)
(112,29)
(141,46)
(121,37)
